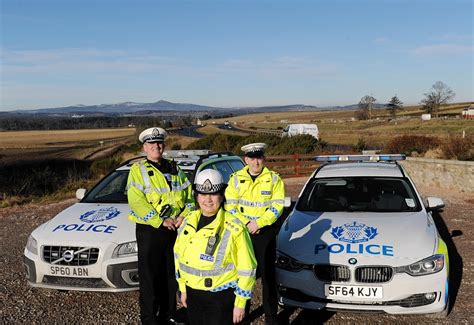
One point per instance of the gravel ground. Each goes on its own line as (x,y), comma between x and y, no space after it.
(21,303)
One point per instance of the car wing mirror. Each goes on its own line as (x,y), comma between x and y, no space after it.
(456,233)
(80,193)
(434,204)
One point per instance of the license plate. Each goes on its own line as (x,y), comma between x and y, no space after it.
(71,271)
(341,291)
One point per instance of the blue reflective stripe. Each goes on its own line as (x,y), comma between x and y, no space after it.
(145,218)
(275,212)
(244,293)
(226,286)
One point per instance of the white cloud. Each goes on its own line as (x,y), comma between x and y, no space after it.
(442,49)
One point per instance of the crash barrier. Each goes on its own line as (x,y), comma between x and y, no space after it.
(278,133)
(292,165)
(439,173)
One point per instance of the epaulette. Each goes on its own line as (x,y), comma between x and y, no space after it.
(234,225)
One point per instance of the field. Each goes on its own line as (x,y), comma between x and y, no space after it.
(64,144)
(340,127)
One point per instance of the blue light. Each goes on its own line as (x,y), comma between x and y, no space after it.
(375,158)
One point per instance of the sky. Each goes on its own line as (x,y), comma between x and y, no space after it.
(56,53)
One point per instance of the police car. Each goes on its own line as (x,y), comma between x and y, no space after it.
(91,245)
(360,237)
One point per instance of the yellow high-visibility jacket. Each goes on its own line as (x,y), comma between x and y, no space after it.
(232,263)
(148,192)
(261,200)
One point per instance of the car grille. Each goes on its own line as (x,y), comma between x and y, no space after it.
(337,273)
(75,282)
(373,274)
(86,255)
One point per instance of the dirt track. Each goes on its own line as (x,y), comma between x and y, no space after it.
(23,304)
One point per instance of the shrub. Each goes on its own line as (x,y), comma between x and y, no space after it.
(458,148)
(411,144)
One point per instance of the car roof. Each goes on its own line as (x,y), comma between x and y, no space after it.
(359,169)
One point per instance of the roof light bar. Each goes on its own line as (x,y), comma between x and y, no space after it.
(388,157)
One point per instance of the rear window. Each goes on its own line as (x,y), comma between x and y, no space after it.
(372,194)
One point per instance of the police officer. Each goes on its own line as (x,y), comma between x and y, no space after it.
(158,194)
(215,263)
(256,196)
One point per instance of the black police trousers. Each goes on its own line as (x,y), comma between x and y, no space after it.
(264,247)
(210,308)
(158,284)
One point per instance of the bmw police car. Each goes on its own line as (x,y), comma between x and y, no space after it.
(91,245)
(361,238)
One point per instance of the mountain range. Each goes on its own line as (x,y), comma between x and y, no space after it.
(132,108)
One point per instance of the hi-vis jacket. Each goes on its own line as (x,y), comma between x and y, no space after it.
(261,200)
(148,195)
(229,263)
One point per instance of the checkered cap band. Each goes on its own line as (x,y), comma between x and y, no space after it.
(208,188)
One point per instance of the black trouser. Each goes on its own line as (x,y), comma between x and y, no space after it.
(213,308)
(158,284)
(264,247)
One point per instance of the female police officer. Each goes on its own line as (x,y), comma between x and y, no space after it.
(214,258)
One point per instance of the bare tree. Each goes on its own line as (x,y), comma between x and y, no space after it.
(366,105)
(394,105)
(439,94)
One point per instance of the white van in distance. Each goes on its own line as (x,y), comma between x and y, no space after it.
(298,129)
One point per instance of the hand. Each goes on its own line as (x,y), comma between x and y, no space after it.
(169,223)
(184,297)
(239,314)
(253,227)
(178,221)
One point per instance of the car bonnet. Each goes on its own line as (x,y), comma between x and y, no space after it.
(333,237)
(88,223)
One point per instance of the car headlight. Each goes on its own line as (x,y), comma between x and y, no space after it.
(32,245)
(429,265)
(288,263)
(129,248)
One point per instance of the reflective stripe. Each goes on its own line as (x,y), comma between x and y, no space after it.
(176,256)
(178,187)
(247,272)
(274,178)
(256,204)
(197,272)
(138,186)
(145,176)
(226,286)
(180,229)
(222,248)
(236,182)
(251,217)
(237,220)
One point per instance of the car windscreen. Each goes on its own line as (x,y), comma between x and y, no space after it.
(372,194)
(111,189)
(225,169)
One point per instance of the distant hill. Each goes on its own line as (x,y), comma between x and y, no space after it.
(132,108)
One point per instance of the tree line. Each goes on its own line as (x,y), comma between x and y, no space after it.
(439,94)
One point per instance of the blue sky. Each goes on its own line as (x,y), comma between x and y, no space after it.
(232,53)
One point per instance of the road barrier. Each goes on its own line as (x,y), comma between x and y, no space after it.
(292,165)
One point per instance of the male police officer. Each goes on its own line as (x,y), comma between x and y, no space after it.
(158,193)
(256,196)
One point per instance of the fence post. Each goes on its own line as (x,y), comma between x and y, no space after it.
(296,164)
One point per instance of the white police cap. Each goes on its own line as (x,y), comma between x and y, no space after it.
(209,181)
(254,150)
(153,135)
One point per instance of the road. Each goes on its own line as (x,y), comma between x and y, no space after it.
(23,304)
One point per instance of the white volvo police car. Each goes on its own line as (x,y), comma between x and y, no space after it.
(361,238)
(91,245)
